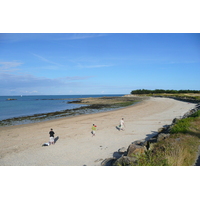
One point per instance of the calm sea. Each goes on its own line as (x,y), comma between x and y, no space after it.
(30,105)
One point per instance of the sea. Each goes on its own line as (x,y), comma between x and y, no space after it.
(14,107)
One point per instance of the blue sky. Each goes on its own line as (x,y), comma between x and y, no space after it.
(104,63)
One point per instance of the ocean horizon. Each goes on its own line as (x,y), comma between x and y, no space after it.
(17,106)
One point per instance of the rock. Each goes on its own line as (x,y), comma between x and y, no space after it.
(150,142)
(108,162)
(160,130)
(139,142)
(162,136)
(9,99)
(126,161)
(122,150)
(135,149)
(164,129)
(175,120)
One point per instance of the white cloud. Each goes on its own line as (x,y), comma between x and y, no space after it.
(9,66)
(12,81)
(46,60)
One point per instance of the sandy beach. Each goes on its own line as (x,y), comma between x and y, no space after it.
(21,145)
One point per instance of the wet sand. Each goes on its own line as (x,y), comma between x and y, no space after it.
(21,145)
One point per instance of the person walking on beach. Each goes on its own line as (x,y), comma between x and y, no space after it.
(51,133)
(122,125)
(94,128)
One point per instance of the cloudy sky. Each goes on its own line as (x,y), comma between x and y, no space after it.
(113,63)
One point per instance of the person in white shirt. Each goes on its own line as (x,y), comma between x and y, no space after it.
(122,125)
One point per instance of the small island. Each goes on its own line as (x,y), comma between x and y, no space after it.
(9,99)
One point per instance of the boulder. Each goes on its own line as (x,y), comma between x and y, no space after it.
(135,149)
(164,129)
(139,142)
(108,162)
(122,150)
(160,130)
(151,142)
(175,120)
(126,161)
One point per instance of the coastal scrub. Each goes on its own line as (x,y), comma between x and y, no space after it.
(180,149)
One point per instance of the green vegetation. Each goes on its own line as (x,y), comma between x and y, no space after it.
(160,91)
(179,94)
(124,104)
(180,149)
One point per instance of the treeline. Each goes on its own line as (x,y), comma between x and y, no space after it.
(159,91)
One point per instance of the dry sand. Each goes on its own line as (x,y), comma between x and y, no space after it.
(21,145)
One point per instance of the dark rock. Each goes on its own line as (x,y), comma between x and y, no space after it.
(122,150)
(139,142)
(150,143)
(108,162)
(175,120)
(126,161)
(135,149)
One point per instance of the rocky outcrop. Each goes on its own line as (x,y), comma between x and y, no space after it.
(9,99)
(126,161)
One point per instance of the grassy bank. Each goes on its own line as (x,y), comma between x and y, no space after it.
(186,96)
(180,149)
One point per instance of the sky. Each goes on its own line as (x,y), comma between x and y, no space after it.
(97,63)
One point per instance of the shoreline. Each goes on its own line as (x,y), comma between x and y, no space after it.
(21,145)
(89,105)
(66,117)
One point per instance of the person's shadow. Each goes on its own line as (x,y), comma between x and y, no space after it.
(56,139)
(117,127)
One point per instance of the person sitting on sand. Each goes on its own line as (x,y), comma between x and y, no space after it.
(94,129)
(51,133)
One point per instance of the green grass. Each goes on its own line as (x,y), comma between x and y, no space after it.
(127,103)
(186,125)
(188,96)
(182,126)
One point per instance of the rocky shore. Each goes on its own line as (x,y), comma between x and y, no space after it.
(110,100)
